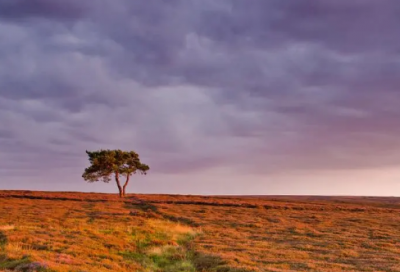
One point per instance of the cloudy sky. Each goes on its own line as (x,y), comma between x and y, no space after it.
(218,97)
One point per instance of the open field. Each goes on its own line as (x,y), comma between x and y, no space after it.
(100,232)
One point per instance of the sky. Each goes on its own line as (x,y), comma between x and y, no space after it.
(218,97)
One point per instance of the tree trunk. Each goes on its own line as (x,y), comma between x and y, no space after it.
(118,184)
(126,184)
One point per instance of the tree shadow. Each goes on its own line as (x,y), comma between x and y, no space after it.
(139,207)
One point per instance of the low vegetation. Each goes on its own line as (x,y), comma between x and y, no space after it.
(42,231)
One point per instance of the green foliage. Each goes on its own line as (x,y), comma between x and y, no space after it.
(166,258)
(105,163)
(12,264)
(169,259)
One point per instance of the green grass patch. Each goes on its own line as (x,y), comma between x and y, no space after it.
(154,253)
(12,264)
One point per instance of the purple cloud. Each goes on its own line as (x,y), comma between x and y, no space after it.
(253,87)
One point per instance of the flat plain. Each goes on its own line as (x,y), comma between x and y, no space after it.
(70,231)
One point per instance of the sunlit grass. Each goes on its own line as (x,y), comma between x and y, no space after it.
(99,232)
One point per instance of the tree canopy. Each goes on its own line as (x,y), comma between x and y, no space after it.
(107,163)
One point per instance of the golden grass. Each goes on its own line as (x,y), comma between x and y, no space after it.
(7,227)
(99,232)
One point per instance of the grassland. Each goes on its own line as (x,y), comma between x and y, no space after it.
(100,232)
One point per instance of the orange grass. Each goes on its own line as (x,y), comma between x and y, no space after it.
(92,232)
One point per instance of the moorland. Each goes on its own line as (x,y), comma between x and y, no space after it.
(69,231)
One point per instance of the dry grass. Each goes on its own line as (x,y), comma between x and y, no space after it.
(99,232)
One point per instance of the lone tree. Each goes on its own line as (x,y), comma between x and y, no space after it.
(105,163)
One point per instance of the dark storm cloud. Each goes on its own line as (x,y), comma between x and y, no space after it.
(193,85)
(52,9)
